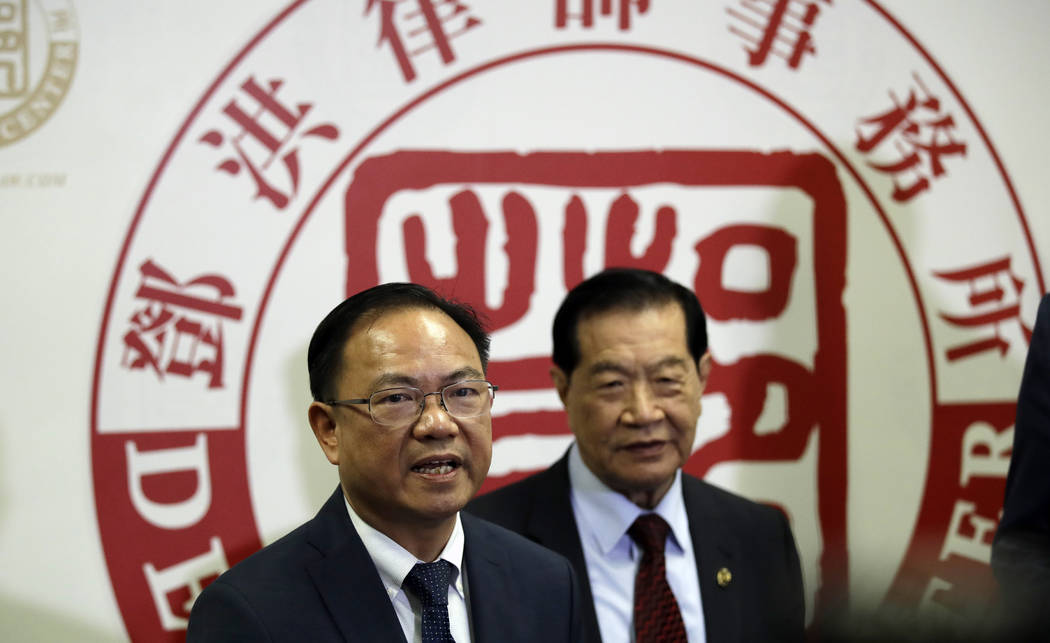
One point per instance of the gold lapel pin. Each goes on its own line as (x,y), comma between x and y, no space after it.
(724,577)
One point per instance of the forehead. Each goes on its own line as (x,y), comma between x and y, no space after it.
(410,342)
(655,331)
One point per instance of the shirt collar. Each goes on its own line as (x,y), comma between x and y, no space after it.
(605,515)
(394,562)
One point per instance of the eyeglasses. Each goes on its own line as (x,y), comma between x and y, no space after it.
(404,404)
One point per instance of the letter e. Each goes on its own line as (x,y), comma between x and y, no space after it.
(187,574)
(973,547)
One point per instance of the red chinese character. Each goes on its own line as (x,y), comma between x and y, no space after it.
(585,14)
(620,230)
(726,304)
(178,331)
(920,141)
(991,302)
(269,145)
(414,27)
(470,228)
(777,27)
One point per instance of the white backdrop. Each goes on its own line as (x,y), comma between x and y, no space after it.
(68,192)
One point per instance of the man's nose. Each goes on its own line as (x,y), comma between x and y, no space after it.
(643,407)
(435,421)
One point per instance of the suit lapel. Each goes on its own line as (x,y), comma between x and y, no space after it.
(552,523)
(713,551)
(347,578)
(489,584)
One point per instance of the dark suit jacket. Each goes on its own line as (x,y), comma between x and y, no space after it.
(1021,552)
(764,600)
(318,584)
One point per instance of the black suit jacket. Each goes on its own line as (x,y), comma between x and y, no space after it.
(1021,551)
(318,584)
(763,602)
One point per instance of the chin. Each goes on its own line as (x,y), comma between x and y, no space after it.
(650,481)
(447,505)
(434,516)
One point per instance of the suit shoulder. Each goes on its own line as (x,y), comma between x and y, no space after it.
(728,505)
(509,505)
(521,549)
(268,596)
(279,561)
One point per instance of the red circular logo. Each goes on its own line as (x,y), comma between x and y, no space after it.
(862,360)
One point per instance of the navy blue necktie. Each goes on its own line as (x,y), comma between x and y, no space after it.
(429,583)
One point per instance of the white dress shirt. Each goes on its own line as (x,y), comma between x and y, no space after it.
(394,562)
(602,518)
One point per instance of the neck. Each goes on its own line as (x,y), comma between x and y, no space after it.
(649,498)
(426,544)
(423,539)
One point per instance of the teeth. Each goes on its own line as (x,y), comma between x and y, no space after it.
(434,468)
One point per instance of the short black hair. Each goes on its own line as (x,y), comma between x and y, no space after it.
(324,359)
(631,289)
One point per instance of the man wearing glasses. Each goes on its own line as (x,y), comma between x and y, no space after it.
(402,408)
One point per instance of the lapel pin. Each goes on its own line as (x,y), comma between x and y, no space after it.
(724,577)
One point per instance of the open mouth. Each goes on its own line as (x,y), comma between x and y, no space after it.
(436,467)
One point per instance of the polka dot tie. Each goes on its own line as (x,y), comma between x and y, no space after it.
(429,583)
(657,618)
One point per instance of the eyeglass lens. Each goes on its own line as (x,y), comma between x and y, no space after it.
(400,405)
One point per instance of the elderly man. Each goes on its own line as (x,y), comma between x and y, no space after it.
(402,408)
(663,556)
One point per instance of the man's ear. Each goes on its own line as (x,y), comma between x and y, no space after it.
(561,382)
(705,368)
(324,426)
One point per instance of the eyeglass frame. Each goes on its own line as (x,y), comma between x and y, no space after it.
(422,401)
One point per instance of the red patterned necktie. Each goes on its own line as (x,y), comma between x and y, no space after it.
(657,618)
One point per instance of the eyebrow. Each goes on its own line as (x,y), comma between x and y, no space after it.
(668,361)
(389,380)
(606,366)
